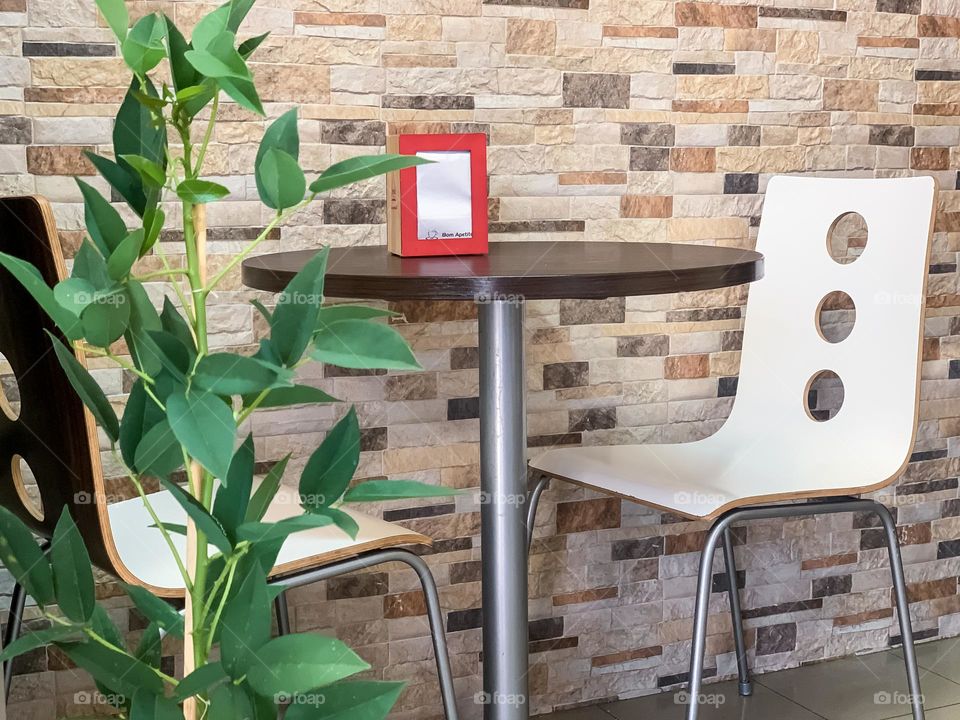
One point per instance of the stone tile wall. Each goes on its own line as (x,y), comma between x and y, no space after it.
(636,120)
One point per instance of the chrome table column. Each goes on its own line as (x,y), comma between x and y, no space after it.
(503,475)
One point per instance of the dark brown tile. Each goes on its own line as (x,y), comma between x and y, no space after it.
(643,346)
(565,375)
(772,639)
(353,132)
(593,419)
(406,604)
(415,386)
(596,90)
(359,585)
(583,515)
(592,312)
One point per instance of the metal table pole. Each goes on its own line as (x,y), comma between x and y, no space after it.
(503,473)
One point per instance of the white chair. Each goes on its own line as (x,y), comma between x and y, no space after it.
(772,451)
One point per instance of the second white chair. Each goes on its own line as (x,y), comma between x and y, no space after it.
(773,451)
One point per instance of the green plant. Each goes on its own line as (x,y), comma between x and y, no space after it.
(187,402)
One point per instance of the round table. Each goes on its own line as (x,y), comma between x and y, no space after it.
(500,283)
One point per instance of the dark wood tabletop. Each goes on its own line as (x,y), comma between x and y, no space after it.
(533,270)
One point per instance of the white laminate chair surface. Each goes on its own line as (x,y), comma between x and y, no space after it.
(770,447)
(146,556)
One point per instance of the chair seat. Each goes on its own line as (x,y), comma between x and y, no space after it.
(146,556)
(703,479)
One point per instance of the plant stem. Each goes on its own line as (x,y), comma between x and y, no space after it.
(161,274)
(208,134)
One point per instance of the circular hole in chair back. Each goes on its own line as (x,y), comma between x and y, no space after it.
(847,238)
(26,486)
(9,390)
(836,316)
(824,395)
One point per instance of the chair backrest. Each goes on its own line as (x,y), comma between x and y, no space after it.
(54,434)
(868,442)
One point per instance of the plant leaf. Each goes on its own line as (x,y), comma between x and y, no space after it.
(219,59)
(233,496)
(295,395)
(204,425)
(74,294)
(282,134)
(243,92)
(247,47)
(200,681)
(298,663)
(349,700)
(22,556)
(364,345)
(151,706)
(256,532)
(156,610)
(280,179)
(201,191)
(331,466)
(238,11)
(31,280)
(128,251)
(341,519)
(230,702)
(124,181)
(89,265)
(173,324)
(72,573)
(150,648)
(231,374)
(143,47)
(184,76)
(115,13)
(118,671)
(205,522)
(103,222)
(149,171)
(106,318)
(382,490)
(245,625)
(88,389)
(153,225)
(347,172)
(34,639)
(135,134)
(335,313)
(295,316)
(266,491)
(209,27)
(158,453)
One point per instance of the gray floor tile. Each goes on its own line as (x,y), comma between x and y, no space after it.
(941,657)
(872,687)
(951,712)
(726,705)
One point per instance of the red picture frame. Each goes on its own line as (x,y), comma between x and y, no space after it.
(402,230)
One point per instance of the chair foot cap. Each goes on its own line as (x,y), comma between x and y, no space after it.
(746,689)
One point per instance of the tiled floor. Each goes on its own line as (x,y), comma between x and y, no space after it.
(871,687)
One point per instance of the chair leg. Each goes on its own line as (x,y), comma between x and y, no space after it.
(14,621)
(435,616)
(283,613)
(730,562)
(903,610)
(533,501)
(704,582)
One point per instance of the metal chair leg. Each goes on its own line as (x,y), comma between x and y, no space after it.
(533,501)
(434,613)
(14,622)
(283,613)
(704,582)
(903,610)
(730,562)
